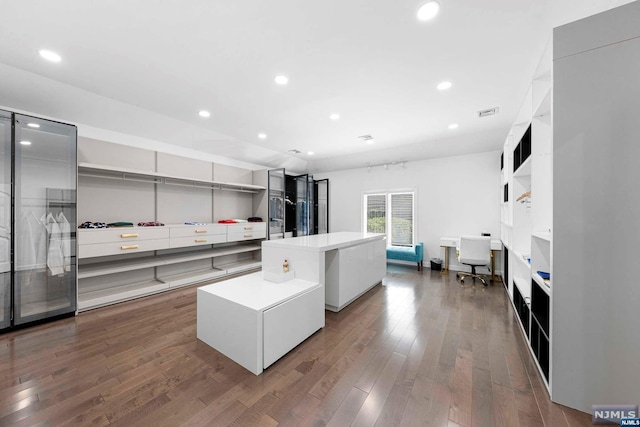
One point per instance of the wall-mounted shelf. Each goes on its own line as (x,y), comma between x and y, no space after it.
(114,172)
(544,235)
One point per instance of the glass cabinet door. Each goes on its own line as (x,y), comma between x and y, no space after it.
(276,188)
(322,206)
(302,218)
(44,219)
(311,203)
(5,219)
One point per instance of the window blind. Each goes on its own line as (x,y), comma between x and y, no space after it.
(376,217)
(401,219)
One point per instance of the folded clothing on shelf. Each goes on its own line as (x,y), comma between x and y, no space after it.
(254,219)
(89,224)
(120,224)
(150,224)
(195,223)
(227,221)
(239,220)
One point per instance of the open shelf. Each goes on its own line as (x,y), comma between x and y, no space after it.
(524,169)
(524,286)
(111,267)
(544,235)
(114,172)
(545,285)
(240,266)
(98,298)
(192,277)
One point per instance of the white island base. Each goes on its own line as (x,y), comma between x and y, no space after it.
(255,322)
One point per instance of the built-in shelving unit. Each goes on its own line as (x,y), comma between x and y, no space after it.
(119,183)
(113,172)
(526,216)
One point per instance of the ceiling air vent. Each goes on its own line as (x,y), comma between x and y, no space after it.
(488,112)
(294,151)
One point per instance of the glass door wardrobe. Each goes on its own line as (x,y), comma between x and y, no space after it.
(43,242)
(5,219)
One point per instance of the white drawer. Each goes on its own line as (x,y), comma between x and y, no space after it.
(196,240)
(125,234)
(247,226)
(198,230)
(246,235)
(121,248)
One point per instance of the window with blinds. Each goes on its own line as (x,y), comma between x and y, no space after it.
(401,219)
(392,214)
(376,213)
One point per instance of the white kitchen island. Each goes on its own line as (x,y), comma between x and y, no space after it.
(348,264)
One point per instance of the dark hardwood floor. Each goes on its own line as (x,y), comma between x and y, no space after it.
(421,350)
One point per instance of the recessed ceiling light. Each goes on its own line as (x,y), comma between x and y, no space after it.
(282,80)
(49,55)
(334,116)
(453,126)
(428,10)
(310,153)
(444,85)
(262,135)
(204,113)
(25,142)
(33,125)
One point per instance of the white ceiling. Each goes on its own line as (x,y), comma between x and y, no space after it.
(145,69)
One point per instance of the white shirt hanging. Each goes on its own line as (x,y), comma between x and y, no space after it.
(55,257)
(65,235)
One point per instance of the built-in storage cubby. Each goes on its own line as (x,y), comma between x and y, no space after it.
(526,217)
(521,305)
(187,195)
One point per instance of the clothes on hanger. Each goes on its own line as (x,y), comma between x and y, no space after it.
(65,235)
(55,252)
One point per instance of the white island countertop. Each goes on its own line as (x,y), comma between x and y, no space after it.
(253,292)
(324,242)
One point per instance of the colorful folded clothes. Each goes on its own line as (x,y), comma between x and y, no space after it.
(120,224)
(239,220)
(227,221)
(89,224)
(254,219)
(195,223)
(150,224)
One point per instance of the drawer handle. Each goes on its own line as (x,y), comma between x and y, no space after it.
(125,236)
(248,235)
(201,240)
(248,228)
(126,248)
(201,231)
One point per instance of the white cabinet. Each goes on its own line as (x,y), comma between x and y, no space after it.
(350,272)
(255,322)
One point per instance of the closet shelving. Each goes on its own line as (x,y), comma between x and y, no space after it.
(526,223)
(113,172)
(119,183)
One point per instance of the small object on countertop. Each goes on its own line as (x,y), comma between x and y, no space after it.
(120,224)
(254,219)
(150,224)
(226,221)
(195,223)
(285,266)
(238,220)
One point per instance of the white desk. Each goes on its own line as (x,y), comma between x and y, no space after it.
(347,263)
(454,242)
(255,322)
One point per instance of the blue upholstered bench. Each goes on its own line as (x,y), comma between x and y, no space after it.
(414,254)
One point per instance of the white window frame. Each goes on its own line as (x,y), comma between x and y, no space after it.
(387,194)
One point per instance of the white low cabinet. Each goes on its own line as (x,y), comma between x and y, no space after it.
(255,322)
(352,271)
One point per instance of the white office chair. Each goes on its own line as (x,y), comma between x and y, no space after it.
(474,251)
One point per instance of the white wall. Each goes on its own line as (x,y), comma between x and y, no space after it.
(454,196)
